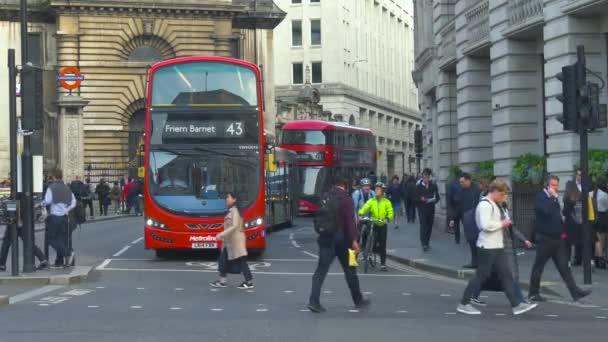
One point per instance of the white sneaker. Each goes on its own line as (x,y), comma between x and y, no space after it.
(523,308)
(468,309)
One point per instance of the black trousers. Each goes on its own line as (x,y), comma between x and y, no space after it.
(88,203)
(491,260)
(380,245)
(473,247)
(457,219)
(330,248)
(244,269)
(103,206)
(6,245)
(58,235)
(555,249)
(410,210)
(427,218)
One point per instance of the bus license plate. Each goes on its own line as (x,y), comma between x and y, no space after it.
(205,245)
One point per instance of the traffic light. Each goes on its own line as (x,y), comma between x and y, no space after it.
(569,97)
(31,95)
(596,111)
(418,141)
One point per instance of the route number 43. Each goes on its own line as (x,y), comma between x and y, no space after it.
(235,128)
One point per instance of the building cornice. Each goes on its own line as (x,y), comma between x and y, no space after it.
(290,93)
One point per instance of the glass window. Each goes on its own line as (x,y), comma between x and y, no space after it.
(204,83)
(289,137)
(196,183)
(296,1)
(144,54)
(296,33)
(317,72)
(315,1)
(315,32)
(34,48)
(315,180)
(298,73)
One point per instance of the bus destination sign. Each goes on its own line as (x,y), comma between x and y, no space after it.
(203,129)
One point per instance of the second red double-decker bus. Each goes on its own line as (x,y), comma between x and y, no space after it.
(324,149)
(204,138)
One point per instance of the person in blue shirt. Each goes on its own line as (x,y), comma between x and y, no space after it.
(364,194)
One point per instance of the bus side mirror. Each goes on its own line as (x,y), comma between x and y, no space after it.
(271,164)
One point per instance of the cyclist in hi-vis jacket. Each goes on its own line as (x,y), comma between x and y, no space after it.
(380,208)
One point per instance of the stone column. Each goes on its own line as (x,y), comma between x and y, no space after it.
(71,136)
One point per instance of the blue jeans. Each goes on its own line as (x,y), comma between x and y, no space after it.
(329,248)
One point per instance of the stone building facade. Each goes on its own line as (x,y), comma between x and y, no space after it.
(114,43)
(340,49)
(486,73)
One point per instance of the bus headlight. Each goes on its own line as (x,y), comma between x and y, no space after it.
(155,224)
(254,223)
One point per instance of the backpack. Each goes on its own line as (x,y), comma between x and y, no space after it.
(361,195)
(471,229)
(326,221)
(85,192)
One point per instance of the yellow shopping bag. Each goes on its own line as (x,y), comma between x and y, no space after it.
(352,258)
(591,210)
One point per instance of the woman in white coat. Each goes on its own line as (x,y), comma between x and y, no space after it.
(234,251)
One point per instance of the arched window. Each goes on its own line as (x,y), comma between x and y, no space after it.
(145,53)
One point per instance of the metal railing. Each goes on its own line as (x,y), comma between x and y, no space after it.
(521,11)
(478,22)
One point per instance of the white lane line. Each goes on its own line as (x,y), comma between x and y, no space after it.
(262,273)
(175,308)
(250,291)
(136,307)
(445,295)
(327,292)
(401,311)
(288,291)
(406,294)
(214,290)
(482,296)
(43,304)
(262,310)
(100,287)
(295,244)
(179,289)
(76,292)
(120,252)
(551,316)
(305,310)
(501,314)
(140,288)
(601,317)
(368,293)
(137,240)
(33,293)
(93,306)
(103,264)
(291,236)
(311,255)
(290,260)
(450,313)
(353,311)
(217,310)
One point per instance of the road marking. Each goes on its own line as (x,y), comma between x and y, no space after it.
(214,290)
(484,296)
(136,307)
(179,289)
(406,294)
(43,304)
(445,295)
(33,293)
(353,311)
(217,310)
(327,292)
(450,313)
(401,311)
(250,291)
(262,273)
(291,236)
(288,291)
(100,287)
(140,288)
(137,241)
(295,244)
(305,310)
(290,260)
(262,310)
(53,300)
(120,252)
(311,254)
(600,317)
(551,316)
(103,264)
(501,314)
(93,306)
(76,292)
(368,293)
(175,308)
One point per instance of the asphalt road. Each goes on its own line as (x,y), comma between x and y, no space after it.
(135,297)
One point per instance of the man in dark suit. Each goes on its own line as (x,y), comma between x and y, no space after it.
(551,240)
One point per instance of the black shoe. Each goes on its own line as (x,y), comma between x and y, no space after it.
(43,264)
(2,268)
(383,268)
(316,308)
(426,248)
(580,294)
(536,298)
(457,242)
(470,266)
(364,303)
(577,263)
(396,227)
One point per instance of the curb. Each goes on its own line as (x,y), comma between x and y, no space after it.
(459,274)
(4,300)
(78,275)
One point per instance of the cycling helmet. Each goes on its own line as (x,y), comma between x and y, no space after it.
(365,181)
(382,185)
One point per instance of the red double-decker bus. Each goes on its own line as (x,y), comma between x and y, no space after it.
(204,138)
(324,149)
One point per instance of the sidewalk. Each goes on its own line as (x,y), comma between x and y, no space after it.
(446,258)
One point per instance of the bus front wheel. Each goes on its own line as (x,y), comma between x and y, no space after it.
(162,254)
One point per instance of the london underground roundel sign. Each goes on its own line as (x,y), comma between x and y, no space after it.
(70,78)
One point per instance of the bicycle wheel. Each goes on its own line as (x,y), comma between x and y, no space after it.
(369,251)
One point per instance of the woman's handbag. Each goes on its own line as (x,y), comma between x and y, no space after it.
(226,266)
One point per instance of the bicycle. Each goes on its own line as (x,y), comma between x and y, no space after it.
(367,246)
